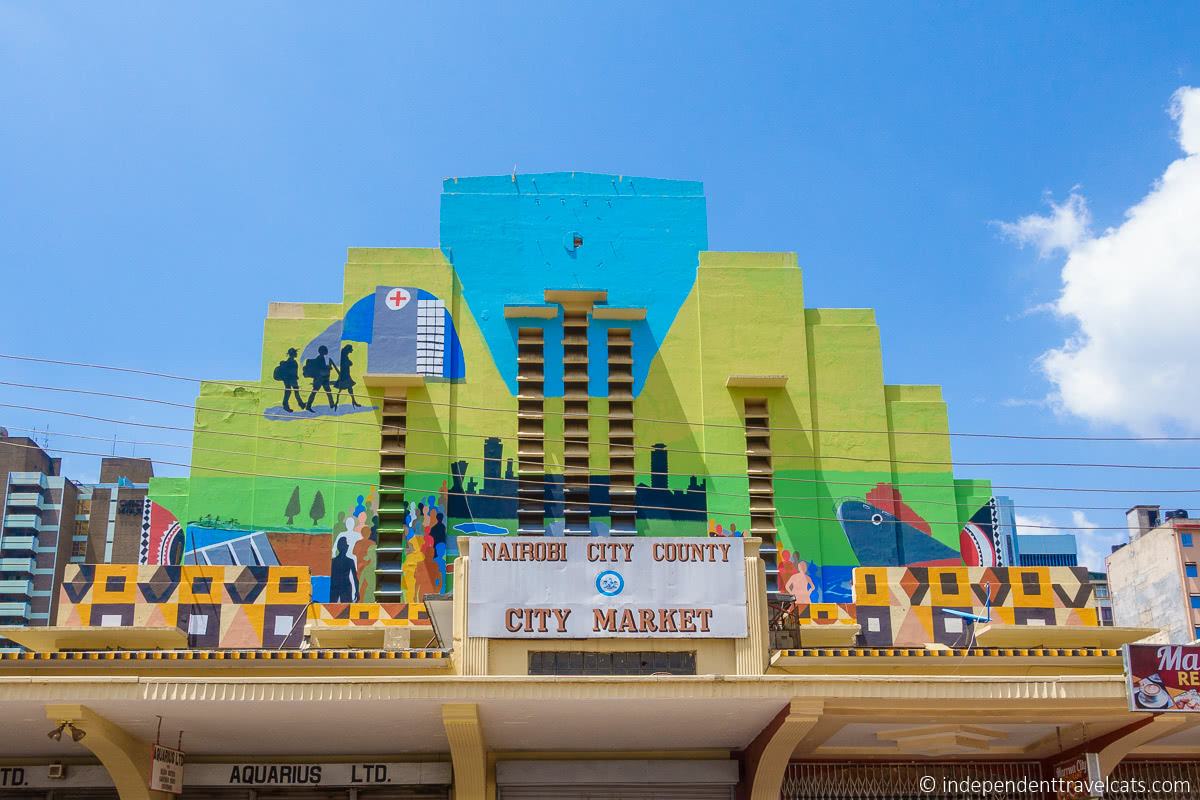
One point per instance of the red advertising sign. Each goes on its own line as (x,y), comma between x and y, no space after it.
(1163,677)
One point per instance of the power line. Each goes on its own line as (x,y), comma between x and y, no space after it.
(519,462)
(827,481)
(261,387)
(738,453)
(373,467)
(545,501)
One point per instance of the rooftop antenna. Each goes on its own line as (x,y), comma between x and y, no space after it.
(987,587)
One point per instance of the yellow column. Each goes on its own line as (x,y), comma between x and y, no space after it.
(753,652)
(774,747)
(1159,726)
(468,753)
(125,757)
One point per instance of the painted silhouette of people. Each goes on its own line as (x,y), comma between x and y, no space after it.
(438,531)
(288,373)
(800,585)
(343,575)
(344,380)
(318,368)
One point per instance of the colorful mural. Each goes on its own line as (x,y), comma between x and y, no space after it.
(161,536)
(217,606)
(861,469)
(908,607)
(227,607)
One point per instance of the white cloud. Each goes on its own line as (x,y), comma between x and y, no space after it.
(1093,544)
(1063,228)
(1131,293)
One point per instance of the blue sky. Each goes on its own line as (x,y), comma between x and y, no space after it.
(168,169)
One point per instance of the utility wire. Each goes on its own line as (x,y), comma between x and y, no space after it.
(375,465)
(262,387)
(676,450)
(545,501)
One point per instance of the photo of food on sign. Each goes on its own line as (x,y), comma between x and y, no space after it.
(1163,677)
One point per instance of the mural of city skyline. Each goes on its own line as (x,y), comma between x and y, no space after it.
(496,498)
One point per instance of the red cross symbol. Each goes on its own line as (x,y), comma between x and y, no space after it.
(397,299)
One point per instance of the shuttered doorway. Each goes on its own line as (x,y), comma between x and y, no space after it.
(623,792)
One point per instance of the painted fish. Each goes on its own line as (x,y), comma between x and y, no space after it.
(880,540)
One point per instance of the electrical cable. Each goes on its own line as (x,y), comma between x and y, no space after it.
(706,453)
(262,387)
(545,500)
(373,467)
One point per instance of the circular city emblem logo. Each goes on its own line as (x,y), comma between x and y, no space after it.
(397,299)
(609,583)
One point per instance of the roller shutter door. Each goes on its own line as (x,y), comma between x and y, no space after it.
(622,792)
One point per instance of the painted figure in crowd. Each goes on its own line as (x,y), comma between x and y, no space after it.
(344,380)
(319,368)
(794,578)
(288,373)
(424,560)
(357,537)
(343,574)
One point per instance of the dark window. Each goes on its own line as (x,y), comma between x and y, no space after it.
(1031,582)
(571,662)
(201,585)
(870,583)
(288,584)
(949,583)
(114,583)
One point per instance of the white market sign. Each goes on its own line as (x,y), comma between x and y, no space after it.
(166,769)
(585,588)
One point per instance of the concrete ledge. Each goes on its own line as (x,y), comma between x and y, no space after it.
(756,381)
(999,634)
(52,639)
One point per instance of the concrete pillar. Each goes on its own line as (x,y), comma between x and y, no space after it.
(468,752)
(126,757)
(753,652)
(767,757)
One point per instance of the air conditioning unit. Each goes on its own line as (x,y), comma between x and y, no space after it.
(56,771)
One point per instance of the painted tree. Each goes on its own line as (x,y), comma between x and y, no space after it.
(293,506)
(317,510)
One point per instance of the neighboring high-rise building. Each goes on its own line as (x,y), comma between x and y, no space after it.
(1154,578)
(1103,597)
(37,522)
(111,525)
(1047,550)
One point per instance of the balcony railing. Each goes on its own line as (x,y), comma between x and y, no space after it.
(19,564)
(17,586)
(27,479)
(25,500)
(18,544)
(14,609)
(21,521)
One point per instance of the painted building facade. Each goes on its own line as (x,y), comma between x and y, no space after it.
(571,360)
